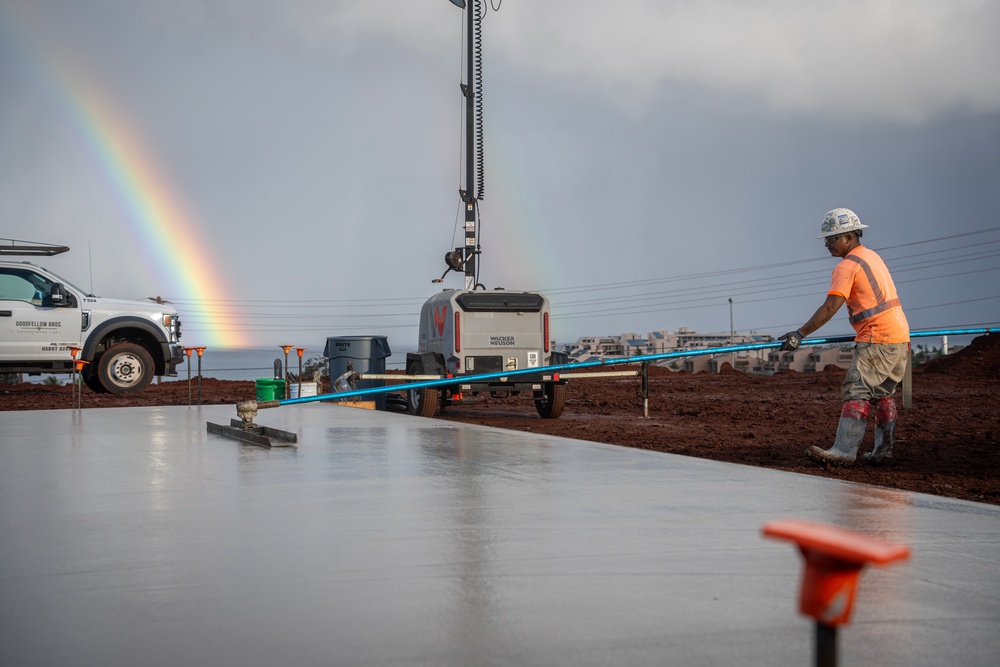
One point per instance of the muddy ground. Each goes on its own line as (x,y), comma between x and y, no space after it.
(947,444)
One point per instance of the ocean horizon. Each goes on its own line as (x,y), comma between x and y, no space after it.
(252,364)
(236,364)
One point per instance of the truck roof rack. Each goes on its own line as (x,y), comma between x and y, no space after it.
(31,249)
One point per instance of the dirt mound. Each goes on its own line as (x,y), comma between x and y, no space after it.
(727,369)
(981,359)
(30,396)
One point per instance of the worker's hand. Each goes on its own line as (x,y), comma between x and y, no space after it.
(792,340)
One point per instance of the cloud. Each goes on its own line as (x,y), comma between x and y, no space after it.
(316,143)
(422,25)
(897,60)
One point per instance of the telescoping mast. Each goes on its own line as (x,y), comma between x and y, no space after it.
(464,258)
(468,332)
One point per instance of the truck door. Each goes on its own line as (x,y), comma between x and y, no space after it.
(32,328)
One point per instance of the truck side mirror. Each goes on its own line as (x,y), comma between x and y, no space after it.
(61,297)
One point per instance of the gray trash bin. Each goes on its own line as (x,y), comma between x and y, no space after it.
(367,353)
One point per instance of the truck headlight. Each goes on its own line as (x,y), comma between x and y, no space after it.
(172,325)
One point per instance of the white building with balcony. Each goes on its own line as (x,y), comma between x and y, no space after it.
(765,361)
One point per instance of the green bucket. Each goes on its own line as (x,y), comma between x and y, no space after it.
(270,389)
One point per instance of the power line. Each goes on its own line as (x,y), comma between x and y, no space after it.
(786,280)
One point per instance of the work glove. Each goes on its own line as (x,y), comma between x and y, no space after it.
(792,340)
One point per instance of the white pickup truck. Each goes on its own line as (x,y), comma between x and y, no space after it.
(126,343)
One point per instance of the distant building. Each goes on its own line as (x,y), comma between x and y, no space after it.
(659,342)
(600,347)
(761,362)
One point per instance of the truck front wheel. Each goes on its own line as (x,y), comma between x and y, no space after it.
(125,368)
(553,400)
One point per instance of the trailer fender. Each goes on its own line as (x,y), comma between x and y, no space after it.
(425,363)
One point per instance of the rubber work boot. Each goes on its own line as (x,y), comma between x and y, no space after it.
(885,427)
(850,433)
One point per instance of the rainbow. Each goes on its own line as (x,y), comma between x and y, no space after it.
(153,212)
(164,227)
(515,230)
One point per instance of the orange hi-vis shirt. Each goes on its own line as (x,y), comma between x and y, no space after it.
(863,279)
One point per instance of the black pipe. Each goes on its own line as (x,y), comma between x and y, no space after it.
(826,645)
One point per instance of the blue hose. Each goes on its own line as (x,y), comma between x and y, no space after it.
(611,362)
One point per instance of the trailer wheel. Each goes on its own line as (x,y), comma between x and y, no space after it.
(553,400)
(422,402)
(126,368)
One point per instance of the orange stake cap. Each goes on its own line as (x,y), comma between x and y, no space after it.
(286,348)
(834,558)
(188,350)
(300,350)
(74,351)
(199,350)
(80,363)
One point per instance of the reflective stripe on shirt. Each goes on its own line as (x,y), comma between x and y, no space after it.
(871,312)
(881,305)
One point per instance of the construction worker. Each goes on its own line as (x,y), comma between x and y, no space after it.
(882,343)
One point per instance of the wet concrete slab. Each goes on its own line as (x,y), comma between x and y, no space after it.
(133,536)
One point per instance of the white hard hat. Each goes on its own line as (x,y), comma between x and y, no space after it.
(840,221)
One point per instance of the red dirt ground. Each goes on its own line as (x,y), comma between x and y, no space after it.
(946,444)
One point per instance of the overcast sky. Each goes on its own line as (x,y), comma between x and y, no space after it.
(288,170)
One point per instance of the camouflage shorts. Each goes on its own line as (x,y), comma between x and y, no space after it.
(875,371)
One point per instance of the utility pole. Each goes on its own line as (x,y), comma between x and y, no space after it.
(732,331)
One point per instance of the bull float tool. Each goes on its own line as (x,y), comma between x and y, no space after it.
(245,430)
(247,410)
(262,436)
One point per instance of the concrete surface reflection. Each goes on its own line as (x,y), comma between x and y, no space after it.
(134,537)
